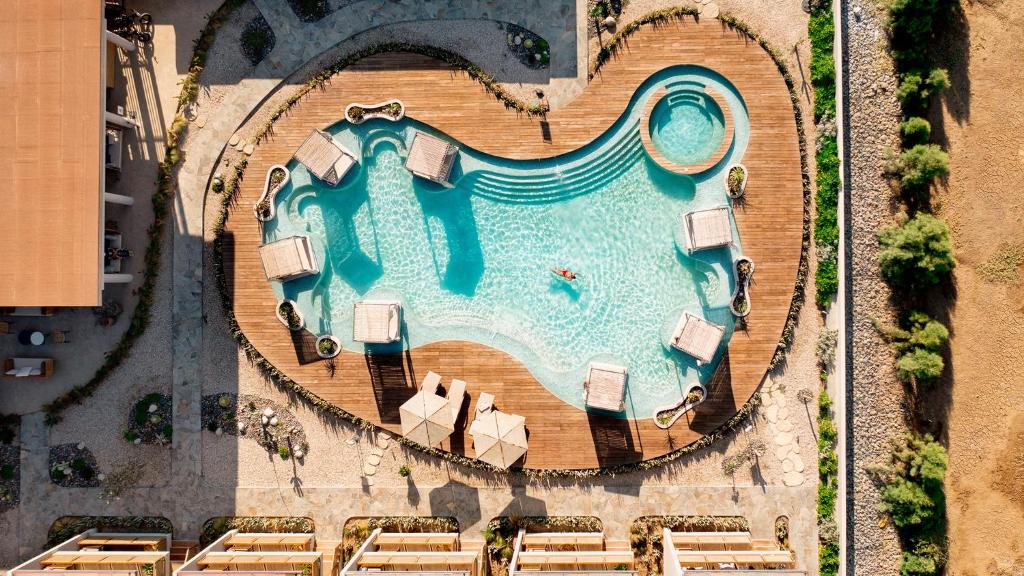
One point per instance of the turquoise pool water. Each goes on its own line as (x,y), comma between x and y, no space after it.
(472,262)
(687,126)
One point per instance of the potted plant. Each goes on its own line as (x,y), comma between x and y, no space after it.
(393,110)
(743,269)
(736,180)
(666,416)
(327,346)
(289,315)
(277,177)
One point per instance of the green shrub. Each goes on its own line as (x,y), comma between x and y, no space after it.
(915,130)
(916,167)
(912,29)
(915,90)
(826,499)
(826,281)
(828,559)
(6,472)
(914,565)
(821,31)
(828,464)
(283,452)
(917,253)
(913,493)
(404,471)
(919,345)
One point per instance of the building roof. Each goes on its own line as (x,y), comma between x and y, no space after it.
(51,58)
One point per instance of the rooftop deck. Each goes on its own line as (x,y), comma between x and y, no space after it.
(561,436)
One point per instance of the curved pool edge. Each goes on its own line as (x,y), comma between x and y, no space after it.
(706,165)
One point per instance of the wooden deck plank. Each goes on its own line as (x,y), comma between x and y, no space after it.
(561,436)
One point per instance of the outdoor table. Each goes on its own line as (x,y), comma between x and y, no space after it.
(31,337)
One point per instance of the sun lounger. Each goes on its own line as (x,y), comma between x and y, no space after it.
(377,322)
(28,368)
(605,387)
(697,337)
(430,382)
(456,397)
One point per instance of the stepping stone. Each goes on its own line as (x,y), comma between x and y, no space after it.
(787,465)
(793,478)
(377,452)
(783,412)
(711,10)
(795,462)
(200,120)
(766,400)
(233,141)
(784,426)
(783,438)
(772,413)
(373,460)
(369,470)
(248,150)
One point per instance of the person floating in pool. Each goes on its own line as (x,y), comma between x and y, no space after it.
(565,273)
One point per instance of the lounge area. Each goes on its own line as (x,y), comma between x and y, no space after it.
(444,554)
(431,158)
(707,229)
(288,259)
(269,554)
(697,337)
(325,157)
(723,553)
(377,321)
(112,554)
(570,552)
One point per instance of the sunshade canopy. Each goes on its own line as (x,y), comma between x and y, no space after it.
(499,438)
(709,228)
(426,418)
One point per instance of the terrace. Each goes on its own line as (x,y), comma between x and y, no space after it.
(94,553)
(723,553)
(414,554)
(268,554)
(569,554)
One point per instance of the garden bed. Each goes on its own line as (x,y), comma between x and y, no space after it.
(666,416)
(150,421)
(66,527)
(736,181)
(743,269)
(257,40)
(529,48)
(10,476)
(277,178)
(73,466)
(645,535)
(501,533)
(393,110)
(220,525)
(243,416)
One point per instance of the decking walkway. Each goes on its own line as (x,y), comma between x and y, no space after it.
(561,436)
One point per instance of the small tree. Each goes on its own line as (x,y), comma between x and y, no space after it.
(917,253)
(920,345)
(913,481)
(919,365)
(916,167)
(915,131)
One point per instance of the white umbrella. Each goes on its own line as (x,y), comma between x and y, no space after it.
(426,418)
(499,438)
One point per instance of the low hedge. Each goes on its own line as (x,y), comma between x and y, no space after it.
(220,525)
(67,526)
(161,199)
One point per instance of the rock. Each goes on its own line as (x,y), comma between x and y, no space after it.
(273,421)
(373,460)
(793,478)
(153,408)
(218,431)
(268,412)
(528,43)
(783,438)
(101,477)
(241,427)
(265,420)
(81,446)
(294,430)
(299,453)
(369,470)
(795,461)
(234,140)
(518,40)
(137,441)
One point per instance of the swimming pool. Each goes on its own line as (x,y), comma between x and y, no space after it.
(687,125)
(472,262)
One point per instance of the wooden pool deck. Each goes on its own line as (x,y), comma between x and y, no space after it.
(561,436)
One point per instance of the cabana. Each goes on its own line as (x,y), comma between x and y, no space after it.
(325,157)
(708,228)
(568,553)
(605,387)
(377,321)
(431,158)
(697,337)
(437,553)
(285,554)
(92,552)
(288,258)
(686,552)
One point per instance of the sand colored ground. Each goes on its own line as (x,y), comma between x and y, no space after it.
(984,124)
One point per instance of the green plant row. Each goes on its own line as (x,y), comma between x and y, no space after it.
(821,31)
(828,487)
(65,527)
(283,380)
(166,184)
(220,525)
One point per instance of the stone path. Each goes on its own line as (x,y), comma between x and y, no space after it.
(786,445)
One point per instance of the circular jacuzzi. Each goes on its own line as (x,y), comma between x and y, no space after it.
(687,126)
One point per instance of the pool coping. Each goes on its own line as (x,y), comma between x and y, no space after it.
(688,169)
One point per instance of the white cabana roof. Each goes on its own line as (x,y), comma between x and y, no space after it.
(499,438)
(377,321)
(288,258)
(605,387)
(325,157)
(431,158)
(426,418)
(697,337)
(708,228)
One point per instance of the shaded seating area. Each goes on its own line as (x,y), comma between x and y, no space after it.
(697,337)
(605,387)
(288,258)
(570,552)
(113,554)
(437,553)
(499,439)
(708,228)
(431,158)
(28,368)
(377,321)
(325,157)
(697,552)
(289,554)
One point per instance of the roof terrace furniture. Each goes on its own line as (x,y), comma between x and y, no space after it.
(377,321)
(605,387)
(325,157)
(28,368)
(263,542)
(94,553)
(414,554)
(431,158)
(697,337)
(499,438)
(288,258)
(426,418)
(708,228)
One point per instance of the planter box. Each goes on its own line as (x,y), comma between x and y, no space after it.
(371,111)
(269,194)
(743,185)
(741,287)
(681,407)
(283,320)
(328,338)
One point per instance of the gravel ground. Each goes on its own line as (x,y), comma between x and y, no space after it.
(10,488)
(77,466)
(877,395)
(263,421)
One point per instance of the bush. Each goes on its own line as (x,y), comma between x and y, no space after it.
(913,493)
(826,499)
(7,472)
(826,281)
(914,565)
(404,471)
(821,31)
(915,131)
(919,345)
(914,90)
(919,365)
(917,253)
(912,25)
(916,167)
(828,559)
